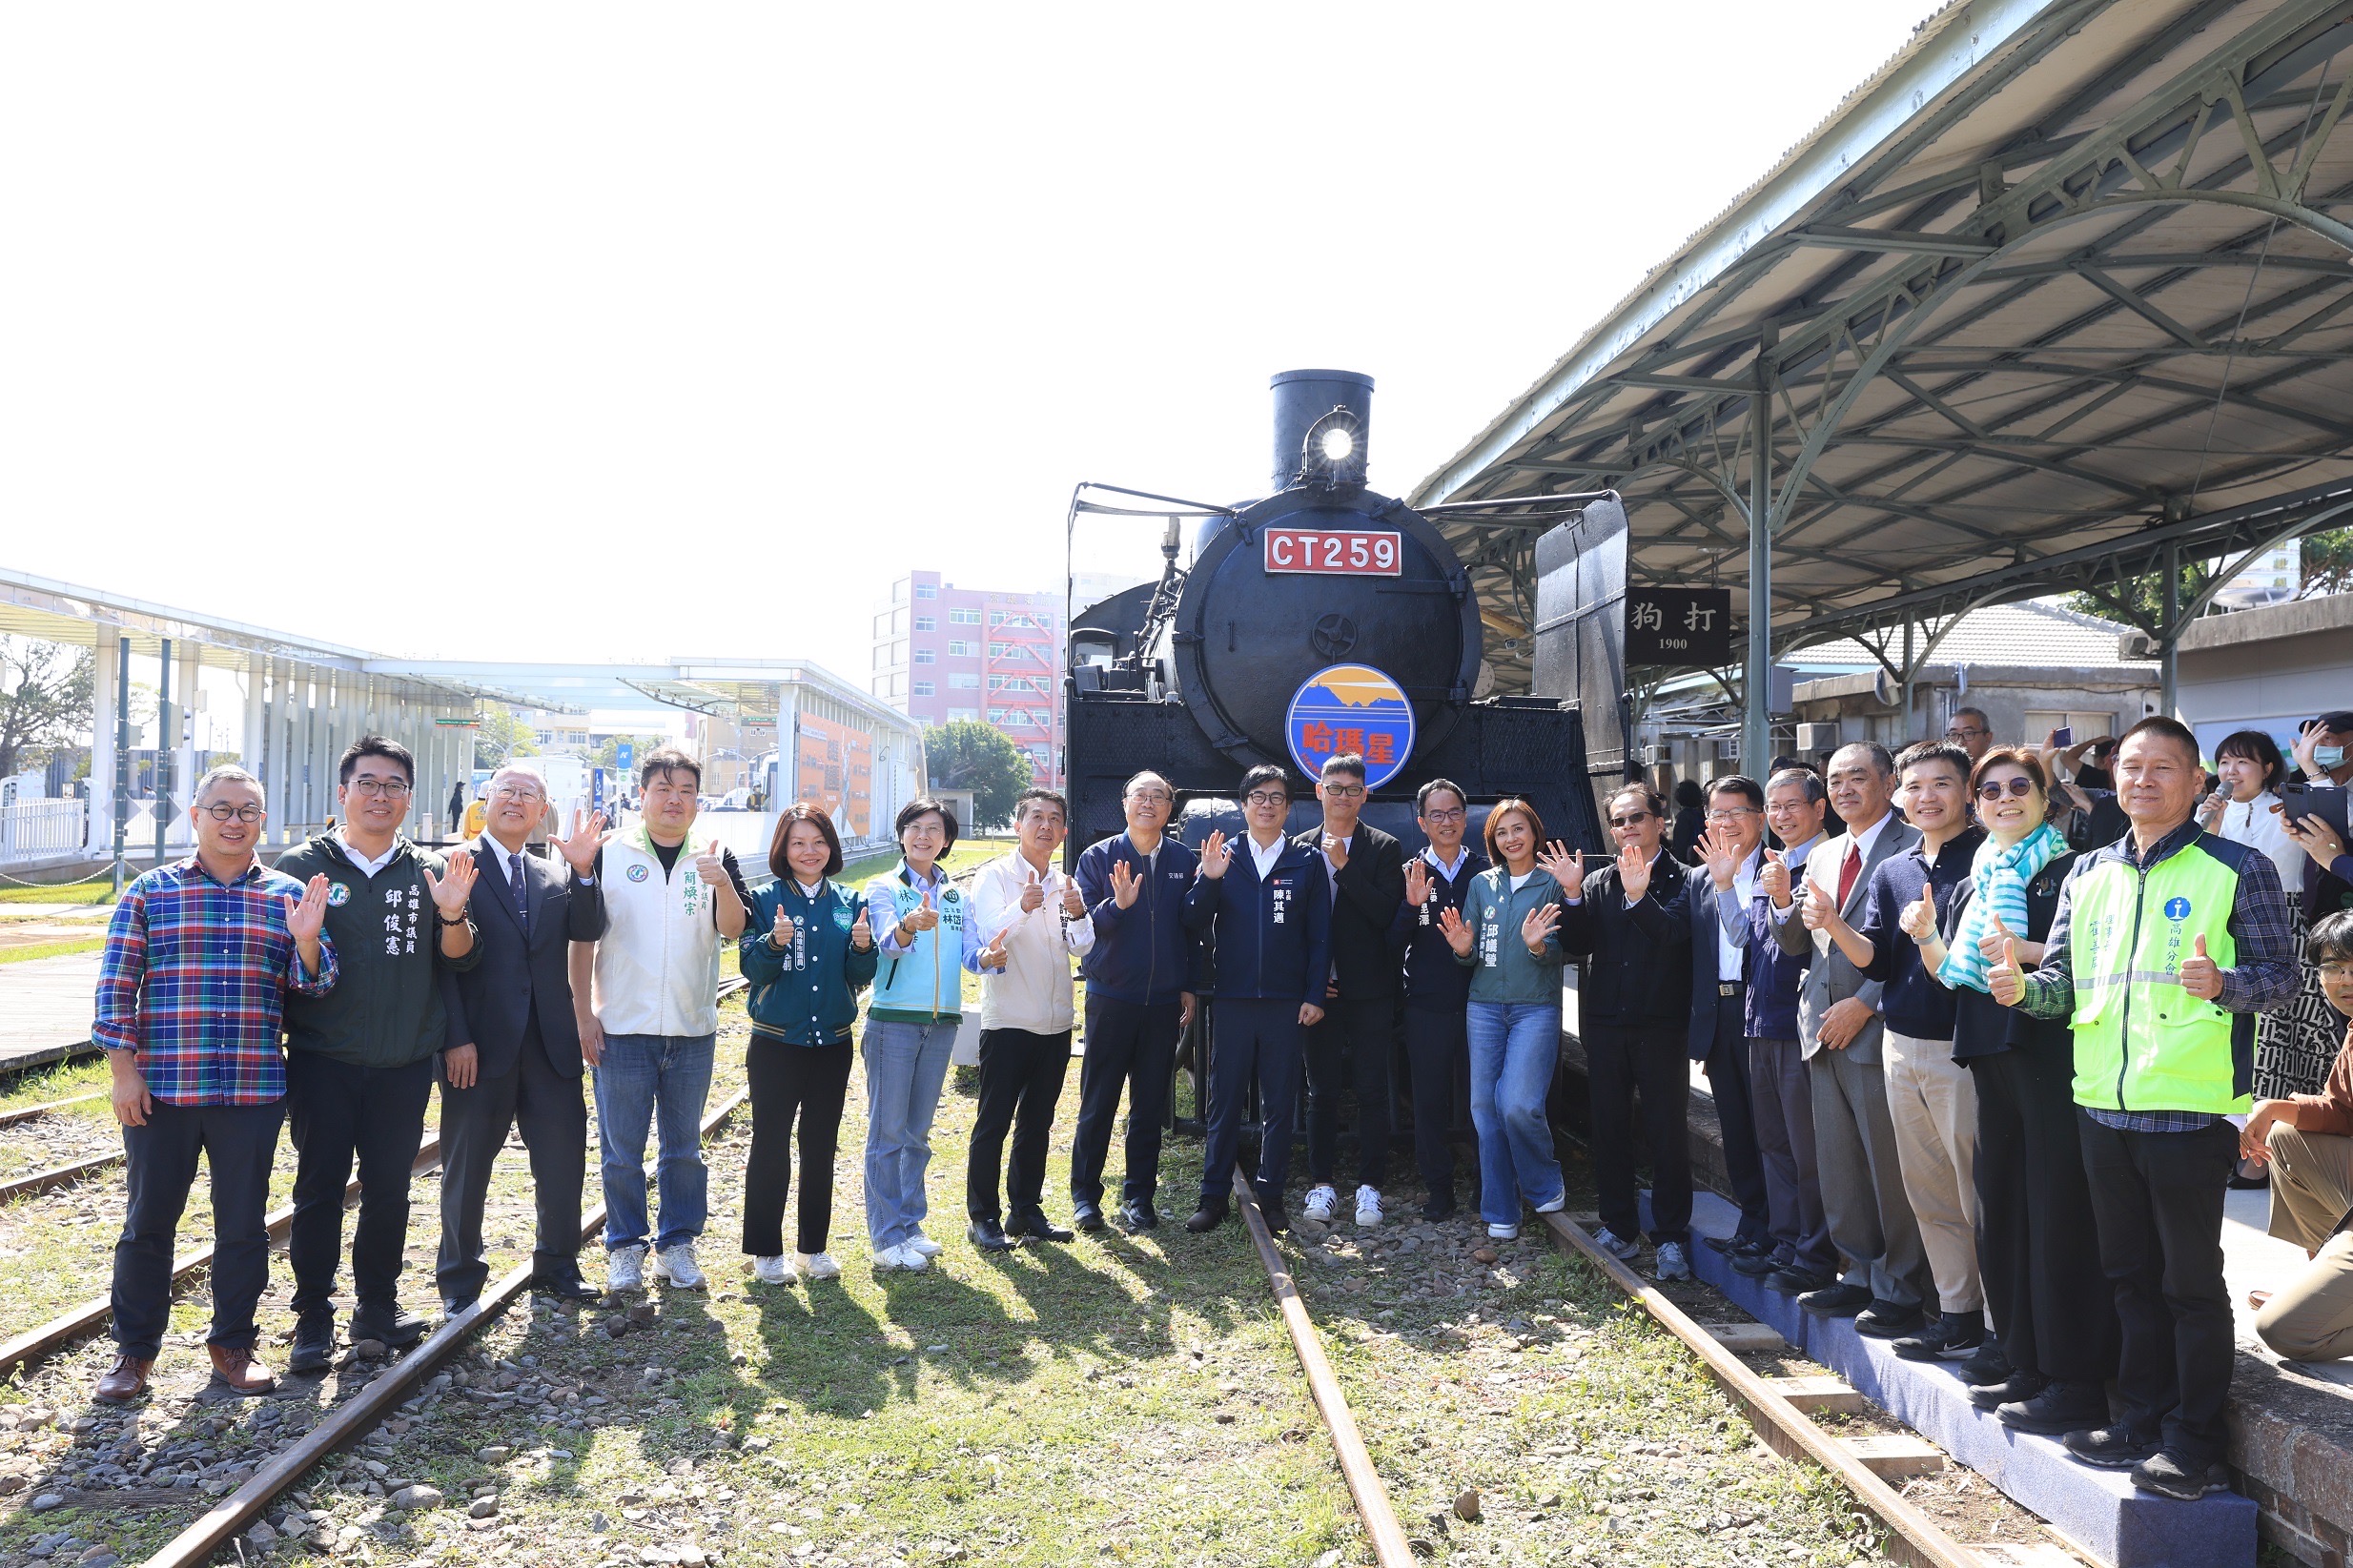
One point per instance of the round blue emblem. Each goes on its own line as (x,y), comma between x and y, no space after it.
(1351,708)
(637,873)
(2176,908)
(338,894)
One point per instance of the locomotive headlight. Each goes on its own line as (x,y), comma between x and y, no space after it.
(1338,445)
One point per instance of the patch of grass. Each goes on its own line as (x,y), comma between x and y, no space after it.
(100,893)
(63,1081)
(52,949)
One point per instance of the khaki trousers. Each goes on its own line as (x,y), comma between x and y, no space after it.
(2311,1319)
(1932,1102)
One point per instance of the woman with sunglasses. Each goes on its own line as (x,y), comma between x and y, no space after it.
(2037,1250)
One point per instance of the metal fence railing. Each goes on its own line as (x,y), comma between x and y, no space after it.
(34,830)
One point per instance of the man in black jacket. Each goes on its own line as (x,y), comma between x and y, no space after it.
(1352,1044)
(523,1062)
(1436,987)
(1630,921)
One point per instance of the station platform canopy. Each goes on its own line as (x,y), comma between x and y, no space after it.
(2060,296)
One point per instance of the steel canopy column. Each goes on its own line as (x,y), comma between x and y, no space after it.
(1756,744)
(2169,643)
(255,736)
(106,660)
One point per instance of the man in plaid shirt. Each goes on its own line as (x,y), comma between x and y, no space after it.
(198,958)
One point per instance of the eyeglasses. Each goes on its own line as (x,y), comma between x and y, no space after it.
(1438,815)
(225,812)
(2016,788)
(1152,797)
(1262,797)
(508,792)
(1630,819)
(383,789)
(1731,813)
(2336,972)
(1343,792)
(1964,734)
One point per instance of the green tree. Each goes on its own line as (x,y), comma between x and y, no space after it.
(2142,597)
(2328,562)
(501,734)
(45,700)
(967,754)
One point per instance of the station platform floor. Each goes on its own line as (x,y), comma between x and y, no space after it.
(2291,1422)
(44,1008)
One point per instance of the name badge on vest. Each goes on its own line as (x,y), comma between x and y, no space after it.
(1281,889)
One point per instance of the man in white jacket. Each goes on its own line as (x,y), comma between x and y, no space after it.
(1033,920)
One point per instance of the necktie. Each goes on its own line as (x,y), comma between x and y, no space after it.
(521,889)
(1849,870)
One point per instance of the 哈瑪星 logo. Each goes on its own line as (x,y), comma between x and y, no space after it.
(1351,708)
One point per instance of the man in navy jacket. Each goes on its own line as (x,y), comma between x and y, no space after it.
(1269,903)
(1140,1000)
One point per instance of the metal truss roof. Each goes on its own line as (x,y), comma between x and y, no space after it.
(2063,292)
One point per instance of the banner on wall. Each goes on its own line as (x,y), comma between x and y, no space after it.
(835,767)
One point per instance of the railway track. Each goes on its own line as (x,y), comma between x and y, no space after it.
(59,1175)
(1909,1536)
(26,1114)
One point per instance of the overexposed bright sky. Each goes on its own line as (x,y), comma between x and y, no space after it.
(537,332)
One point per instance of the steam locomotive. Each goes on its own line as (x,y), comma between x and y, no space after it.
(1322,619)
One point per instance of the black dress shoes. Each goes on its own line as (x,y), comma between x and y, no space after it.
(1886,1321)
(989,1237)
(394,1327)
(564,1284)
(1841,1300)
(2015,1389)
(452,1306)
(1756,1265)
(1439,1208)
(1087,1216)
(1035,1226)
(314,1343)
(1800,1281)
(1988,1366)
(2057,1408)
(1207,1217)
(1138,1215)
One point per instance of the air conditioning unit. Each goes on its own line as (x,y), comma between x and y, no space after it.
(1812,739)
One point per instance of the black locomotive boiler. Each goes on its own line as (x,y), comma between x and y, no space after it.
(1324,617)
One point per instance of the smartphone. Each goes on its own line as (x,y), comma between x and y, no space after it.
(2301,801)
(2063,736)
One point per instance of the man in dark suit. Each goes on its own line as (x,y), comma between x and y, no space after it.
(524,1063)
(1630,921)
(1365,870)
(1731,858)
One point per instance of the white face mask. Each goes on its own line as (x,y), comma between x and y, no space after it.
(2330,758)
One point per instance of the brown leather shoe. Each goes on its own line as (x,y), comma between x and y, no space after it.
(125,1381)
(239,1371)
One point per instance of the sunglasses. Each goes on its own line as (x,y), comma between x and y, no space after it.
(1630,819)
(2017,789)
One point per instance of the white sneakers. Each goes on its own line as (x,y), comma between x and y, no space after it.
(625,1269)
(904,1256)
(921,1244)
(817,1266)
(1555,1206)
(773,1270)
(1672,1264)
(1503,1233)
(675,1266)
(1369,1206)
(1321,1203)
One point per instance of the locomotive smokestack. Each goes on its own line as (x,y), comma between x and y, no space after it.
(1306,399)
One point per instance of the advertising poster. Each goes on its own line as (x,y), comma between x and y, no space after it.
(835,768)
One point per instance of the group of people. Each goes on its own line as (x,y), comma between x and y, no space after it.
(1982,1077)
(1999,1067)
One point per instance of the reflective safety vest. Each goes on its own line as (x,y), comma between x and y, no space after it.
(2142,1042)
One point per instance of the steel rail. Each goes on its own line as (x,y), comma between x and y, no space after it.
(1390,1548)
(387,1389)
(1915,1539)
(26,1114)
(57,1175)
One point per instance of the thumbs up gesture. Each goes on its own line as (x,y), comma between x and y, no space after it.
(1989,944)
(2200,976)
(1919,920)
(785,931)
(1773,879)
(925,918)
(1032,893)
(992,956)
(861,931)
(1074,902)
(710,864)
(2005,980)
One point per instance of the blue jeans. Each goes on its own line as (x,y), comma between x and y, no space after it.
(906,1064)
(661,1079)
(1514,1047)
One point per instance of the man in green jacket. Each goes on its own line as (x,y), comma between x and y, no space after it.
(359,1060)
(2166,945)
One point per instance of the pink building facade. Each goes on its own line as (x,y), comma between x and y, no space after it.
(942,653)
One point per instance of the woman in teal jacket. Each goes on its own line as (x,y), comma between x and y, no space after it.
(808,949)
(1507,933)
